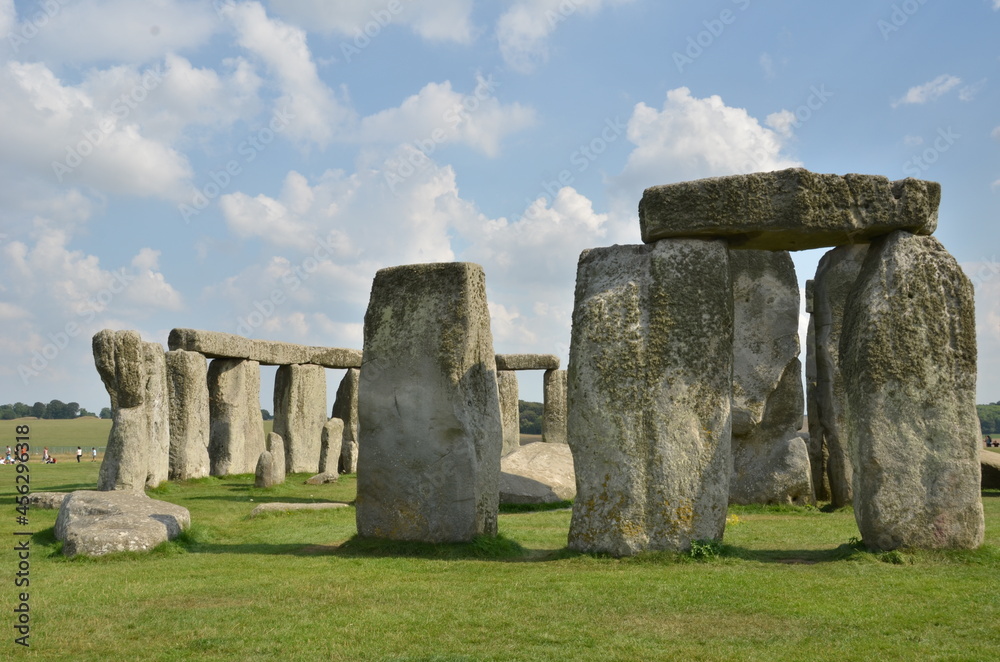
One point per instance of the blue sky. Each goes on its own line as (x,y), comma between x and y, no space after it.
(248,166)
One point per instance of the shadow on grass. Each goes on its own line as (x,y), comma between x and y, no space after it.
(259,498)
(514,508)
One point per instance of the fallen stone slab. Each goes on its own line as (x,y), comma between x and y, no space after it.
(96,523)
(791,210)
(278,507)
(217,345)
(538,473)
(527,362)
(323,478)
(989,463)
(53,500)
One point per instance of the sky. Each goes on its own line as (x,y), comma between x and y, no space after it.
(247,167)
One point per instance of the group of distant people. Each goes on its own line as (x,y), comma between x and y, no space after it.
(47,458)
(988,440)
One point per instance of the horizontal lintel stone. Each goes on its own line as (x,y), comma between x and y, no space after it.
(217,345)
(527,362)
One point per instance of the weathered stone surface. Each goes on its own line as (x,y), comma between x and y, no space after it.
(322,478)
(118,357)
(331,438)
(277,507)
(835,277)
(96,523)
(276,447)
(908,356)
(187,394)
(264,475)
(429,462)
(527,362)
(649,389)
(790,209)
(299,414)
(345,407)
(47,500)
(537,473)
(818,453)
(510,417)
(554,407)
(989,465)
(158,409)
(217,345)
(767,382)
(236,433)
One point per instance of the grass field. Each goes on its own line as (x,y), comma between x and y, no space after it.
(787,585)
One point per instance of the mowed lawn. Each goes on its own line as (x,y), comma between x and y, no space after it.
(788,585)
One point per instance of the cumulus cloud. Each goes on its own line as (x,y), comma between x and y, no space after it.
(441,20)
(928,91)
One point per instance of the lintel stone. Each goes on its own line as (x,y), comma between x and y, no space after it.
(527,362)
(217,345)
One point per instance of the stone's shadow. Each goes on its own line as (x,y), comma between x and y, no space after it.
(791,556)
(259,499)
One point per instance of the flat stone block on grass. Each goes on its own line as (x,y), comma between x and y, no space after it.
(97,523)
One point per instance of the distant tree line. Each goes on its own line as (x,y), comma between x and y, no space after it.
(989,417)
(531,417)
(55,409)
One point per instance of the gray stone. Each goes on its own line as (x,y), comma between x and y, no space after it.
(908,356)
(510,416)
(187,394)
(537,473)
(554,407)
(789,209)
(527,362)
(236,434)
(277,507)
(835,277)
(217,345)
(323,478)
(264,475)
(47,500)
(157,407)
(649,387)
(331,438)
(276,447)
(345,407)
(299,414)
(818,453)
(96,523)
(989,465)
(429,464)
(767,382)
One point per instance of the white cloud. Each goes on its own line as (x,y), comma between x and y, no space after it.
(782,121)
(441,20)
(969,92)
(523,30)
(912,141)
(928,91)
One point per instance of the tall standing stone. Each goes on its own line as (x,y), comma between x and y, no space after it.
(510,417)
(276,447)
(120,360)
(818,453)
(770,459)
(187,391)
(345,407)
(158,408)
(331,438)
(236,433)
(429,465)
(908,356)
(554,407)
(835,277)
(649,385)
(299,414)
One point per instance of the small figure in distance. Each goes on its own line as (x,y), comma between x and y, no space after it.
(989,441)
(45,455)
(79,453)
(93,454)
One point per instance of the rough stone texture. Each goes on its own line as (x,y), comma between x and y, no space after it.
(47,500)
(158,409)
(510,416)
(789,210)
(277,507)
(187,394)
(537,473)
(345,407)
(276,447)
(554,407)
(322,478)
(527,362)
(96,523)
(767,382)
(236,433)
(264,475)
(989,465)
(429,464)
(649,389)
(818,453)
(835,277)
(908,355)
(217,345)
(331,438)
(299,414)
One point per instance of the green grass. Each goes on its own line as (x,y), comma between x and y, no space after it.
(787,584)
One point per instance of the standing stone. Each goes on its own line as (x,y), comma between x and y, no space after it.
(908,356)
(649,385)
(818,453)
(330,440)
(158,409)
(428,405)
(264,475)
(236,433)
(554,408)
(119,357)
(345,407)
(276,447)
(299,414)
(510,417)
(187,394)
(835,277)
(770,459)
